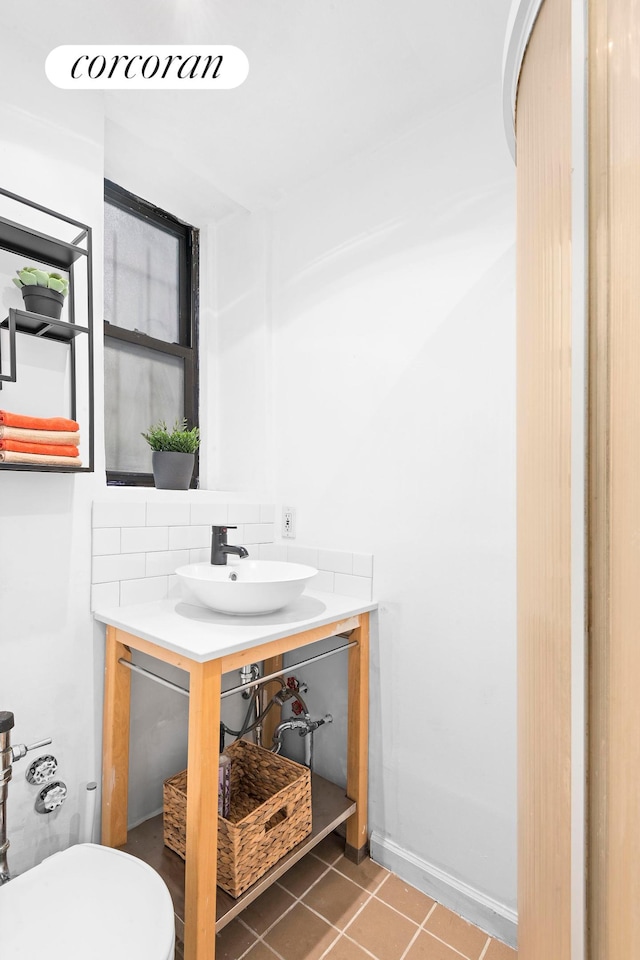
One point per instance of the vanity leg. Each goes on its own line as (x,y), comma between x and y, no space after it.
(357,846)
(115,740)
(202,807)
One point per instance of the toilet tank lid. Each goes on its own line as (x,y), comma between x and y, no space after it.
(88,901)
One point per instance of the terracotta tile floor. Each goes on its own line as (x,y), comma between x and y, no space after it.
(326,908)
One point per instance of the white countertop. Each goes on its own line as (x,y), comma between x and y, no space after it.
(202,634)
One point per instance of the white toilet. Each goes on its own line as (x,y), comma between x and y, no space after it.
(87,902)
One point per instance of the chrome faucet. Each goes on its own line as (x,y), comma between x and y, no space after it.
(220,549)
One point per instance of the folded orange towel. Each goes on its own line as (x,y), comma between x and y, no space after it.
(40,436)
(7,456)
(43,449)
(37,423)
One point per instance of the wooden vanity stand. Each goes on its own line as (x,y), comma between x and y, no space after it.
(205,653)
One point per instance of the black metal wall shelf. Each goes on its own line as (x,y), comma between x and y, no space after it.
(42,468)
(39,246)
(38,326)
(47,249)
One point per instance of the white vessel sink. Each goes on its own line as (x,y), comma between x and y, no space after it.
(245,587)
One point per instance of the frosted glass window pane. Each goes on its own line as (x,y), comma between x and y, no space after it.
(141,274)
(141,387)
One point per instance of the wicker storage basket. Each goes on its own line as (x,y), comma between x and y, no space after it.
(270,814)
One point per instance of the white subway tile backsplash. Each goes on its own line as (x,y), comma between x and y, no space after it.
(105,540)
(323,581)
(258,532)
(209,513)
(137,545)
(236,535)
(244,513)
(144,539)
(144,590)
(303,555)
(335,560)
(168,514)
(351,586)
(123,566)
(363,564)
(189,538)
(108,513)
(273,551)
(166,562)
(202,555)
(105,595)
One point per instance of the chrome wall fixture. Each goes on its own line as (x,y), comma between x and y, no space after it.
(8,756)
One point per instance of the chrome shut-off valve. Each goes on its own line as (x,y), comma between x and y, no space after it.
(51,797)
(41,770)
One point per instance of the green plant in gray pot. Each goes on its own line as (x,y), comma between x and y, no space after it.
(42,292)
(173,455)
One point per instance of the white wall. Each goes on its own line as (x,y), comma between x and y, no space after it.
(392,384)
(239,399)
(54,152)
(52,155)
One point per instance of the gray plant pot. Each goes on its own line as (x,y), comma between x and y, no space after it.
(43,300)
(172,471)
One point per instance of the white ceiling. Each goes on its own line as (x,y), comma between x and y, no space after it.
(328,78)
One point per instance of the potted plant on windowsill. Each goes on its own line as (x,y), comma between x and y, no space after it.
(173,454)
(42,292)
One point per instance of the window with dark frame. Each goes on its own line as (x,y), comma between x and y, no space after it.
(150,329)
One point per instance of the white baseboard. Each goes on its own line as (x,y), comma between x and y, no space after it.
(495,918)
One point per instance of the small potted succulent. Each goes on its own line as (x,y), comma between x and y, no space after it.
(42,292)
(173,454)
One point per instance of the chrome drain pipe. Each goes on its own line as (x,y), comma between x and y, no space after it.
(6,725)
